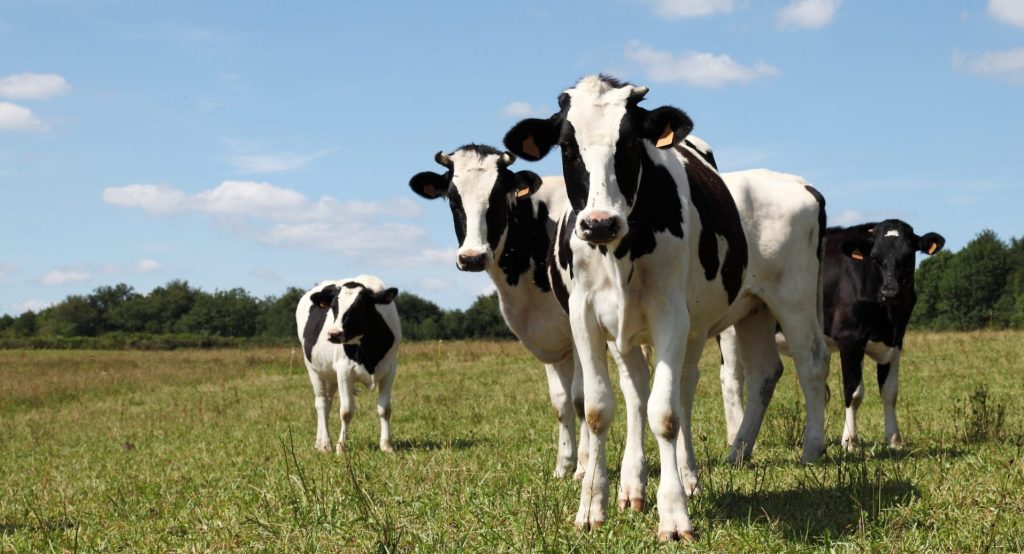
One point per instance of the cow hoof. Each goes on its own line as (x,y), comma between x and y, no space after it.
(387,448)
(323,446)
(635,504)
(850,444)
(340,448)
(587,525)
(677,536)
(579,475)
(812,453)
(896,442)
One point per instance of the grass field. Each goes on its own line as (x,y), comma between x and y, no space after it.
(213,450)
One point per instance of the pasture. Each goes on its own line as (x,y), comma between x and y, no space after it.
(213,450)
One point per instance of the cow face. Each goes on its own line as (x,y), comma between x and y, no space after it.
(480,189)
(603,134)
(351,308)
(889,257)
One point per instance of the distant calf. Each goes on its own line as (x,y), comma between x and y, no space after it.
(350,333)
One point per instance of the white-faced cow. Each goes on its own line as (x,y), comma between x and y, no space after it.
(349,332)
(663,251)
(504,222)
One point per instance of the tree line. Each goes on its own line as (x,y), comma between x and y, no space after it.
(980,286)
(180,315)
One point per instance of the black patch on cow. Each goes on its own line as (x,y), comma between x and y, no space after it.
(708,156)
(458,214)
(362,319)
(527,243)
(768,385)
(577,178)
(718,216)
(564,244)
(317,317)
(883,374)
(628,159)
(657,209)
(821,217)
(496,215)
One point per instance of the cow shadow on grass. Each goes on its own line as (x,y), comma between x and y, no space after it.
(458,443)
(813,514)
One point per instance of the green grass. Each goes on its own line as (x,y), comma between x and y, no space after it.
(213,450)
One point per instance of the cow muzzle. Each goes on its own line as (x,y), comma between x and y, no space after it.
(599,227)
(336,336)
(471,261)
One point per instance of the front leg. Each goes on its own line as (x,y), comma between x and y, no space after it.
(384,410)
(889,386)
(347,409)
(668,323)
(599,408)
(685,455)
(851,357)
(323,394)
(633,380)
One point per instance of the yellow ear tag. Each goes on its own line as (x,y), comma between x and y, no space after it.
(666,138)
(933,248)
(857,255)
(530,147)
(522,192)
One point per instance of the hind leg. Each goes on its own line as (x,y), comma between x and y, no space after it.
(810,355)
(583,448)
(731,377)
(384,411)
(759,357)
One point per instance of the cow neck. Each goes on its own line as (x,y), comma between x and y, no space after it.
(374,345)
(526,243)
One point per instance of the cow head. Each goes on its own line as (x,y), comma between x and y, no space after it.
(889,257)
(603,134)
(351,307)
(480,190)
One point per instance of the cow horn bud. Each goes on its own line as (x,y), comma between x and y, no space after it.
(443,159)
(506,159)
(638,93)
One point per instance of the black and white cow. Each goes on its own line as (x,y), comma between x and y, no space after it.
(869,296)
(504,222)
(663,251)
(349,331)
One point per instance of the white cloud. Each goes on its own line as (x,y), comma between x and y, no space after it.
(6,269)
(433,284)
(808,14)
(266,273)
(18,118)
(66,275)
(673,9)
(286,217)
(30,306)
(148,266)
(856,217)
(1006,64)
(274,163)
(1007,11)
(699,69)
(520,109)
(33,86)
(848,217)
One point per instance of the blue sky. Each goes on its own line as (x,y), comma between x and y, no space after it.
(264,145)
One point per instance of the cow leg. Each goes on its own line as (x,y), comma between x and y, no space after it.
(810,355)
(633,379)
(731,377)
(759,357)
(599,407)
(384,411)
(583,449)
(560,391)
(668,325)
(889,384)
(323,394)
(686,456)
(851,357)
(347,408)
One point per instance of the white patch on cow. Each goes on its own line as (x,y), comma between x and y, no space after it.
(474,176)
(892,233)
(595,113)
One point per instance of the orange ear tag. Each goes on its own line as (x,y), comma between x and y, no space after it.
(666,138)
(933,248)
(522,192)
(530,147)
(857,255)
(325,305)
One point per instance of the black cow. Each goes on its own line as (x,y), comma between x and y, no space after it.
(869,294)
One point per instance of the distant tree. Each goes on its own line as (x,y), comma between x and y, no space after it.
(973,281)
(930,310)
(226,313)
(6,321)
(25,325)
(75,316)
(421,318)
(157,312)
(484,320)
(277,314)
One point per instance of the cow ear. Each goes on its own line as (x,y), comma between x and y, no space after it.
(385,296)
(324,297)
(429,185)
(930,243)
(666,126)
(532,139)
(856,248)
(526,183)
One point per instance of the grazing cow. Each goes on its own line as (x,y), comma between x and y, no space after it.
(868,291)
(663,251)
(504,222)
(349,332)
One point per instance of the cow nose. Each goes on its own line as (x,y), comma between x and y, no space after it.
(889,292)
(472,262)
(599,227)
(336,336)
